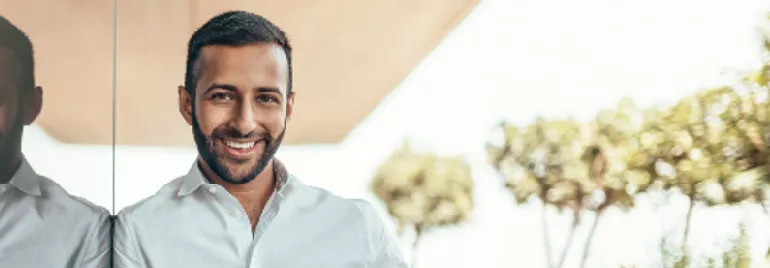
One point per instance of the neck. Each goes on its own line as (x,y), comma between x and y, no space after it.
(9,167)
(264,182)
(252,195)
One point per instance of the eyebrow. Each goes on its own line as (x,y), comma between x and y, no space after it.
(233,88)
(268,90)
(227,87)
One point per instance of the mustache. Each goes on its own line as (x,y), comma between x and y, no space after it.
(232,133)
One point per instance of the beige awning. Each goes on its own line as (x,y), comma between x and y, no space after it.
(348,55)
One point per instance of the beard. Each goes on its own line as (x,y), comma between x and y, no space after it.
(10,144)
(216,161)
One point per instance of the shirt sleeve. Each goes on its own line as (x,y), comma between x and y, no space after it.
(125,251)
(95,252)
(384,246)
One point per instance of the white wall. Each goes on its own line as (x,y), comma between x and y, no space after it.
(85,171)
(508,59)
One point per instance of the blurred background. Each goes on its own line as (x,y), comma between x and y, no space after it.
(650,149)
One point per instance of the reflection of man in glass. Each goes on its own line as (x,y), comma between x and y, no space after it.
(40,224)
(238,206)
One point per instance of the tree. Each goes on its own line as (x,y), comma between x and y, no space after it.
(567,165)
(424,191)
(759,85)
(716,157)
(711,146)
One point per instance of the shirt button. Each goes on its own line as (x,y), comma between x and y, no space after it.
(234,213)
(213,190)
(3,188)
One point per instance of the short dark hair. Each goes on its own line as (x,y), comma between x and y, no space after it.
(233,28)
(11,37)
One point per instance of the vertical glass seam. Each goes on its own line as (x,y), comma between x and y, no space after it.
(114,94)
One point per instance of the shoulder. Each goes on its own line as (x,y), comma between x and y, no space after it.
(71,213)
(73,205)
(152,211)
(166,195)
(323,201)
(303,194)
(360,219)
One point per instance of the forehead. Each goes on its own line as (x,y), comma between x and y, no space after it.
(247,66)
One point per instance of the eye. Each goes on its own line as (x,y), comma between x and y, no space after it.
(222,96)
(267,98)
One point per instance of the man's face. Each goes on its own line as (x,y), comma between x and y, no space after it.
(240,108)
(11,121)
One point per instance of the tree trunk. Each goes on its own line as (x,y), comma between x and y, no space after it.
(546,236)
(418,235)
(598,167)
(570,237)
(685,253)
(589,240)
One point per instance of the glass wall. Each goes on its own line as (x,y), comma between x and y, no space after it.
(57,76)
(70,141)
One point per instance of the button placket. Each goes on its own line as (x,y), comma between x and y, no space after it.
(271,209)
(230,205)
(265,219)
(234,215)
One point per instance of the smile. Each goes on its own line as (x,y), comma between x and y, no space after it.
(240,145)
(241,150)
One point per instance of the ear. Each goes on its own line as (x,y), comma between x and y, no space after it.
(33,103)
(289,106)
(185,104)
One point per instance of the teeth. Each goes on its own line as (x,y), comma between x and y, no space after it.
(240,145)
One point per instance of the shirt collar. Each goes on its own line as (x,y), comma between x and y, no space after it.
(26,179)
(195,178)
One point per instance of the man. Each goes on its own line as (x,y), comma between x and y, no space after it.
(40,224)
(238,206)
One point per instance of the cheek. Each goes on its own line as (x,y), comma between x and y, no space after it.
(7,118)
(209,119)
(276,123)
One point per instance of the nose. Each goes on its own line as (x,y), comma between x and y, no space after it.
(245,119)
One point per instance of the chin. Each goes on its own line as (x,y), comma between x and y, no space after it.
(240,181)
(240,177)
(240,173)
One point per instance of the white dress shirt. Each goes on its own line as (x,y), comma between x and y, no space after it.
(191,223)
(42,226)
